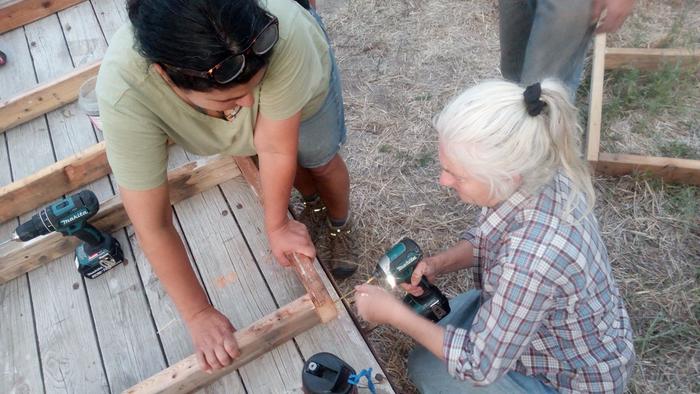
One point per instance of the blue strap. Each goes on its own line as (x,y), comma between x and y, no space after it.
(354,379)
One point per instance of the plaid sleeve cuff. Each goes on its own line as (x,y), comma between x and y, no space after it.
(453,344)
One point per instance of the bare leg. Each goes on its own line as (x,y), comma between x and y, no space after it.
(304,182)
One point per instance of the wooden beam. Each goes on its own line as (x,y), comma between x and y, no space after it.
(671,170)
(53,181)
(303,266)
(595,107)
(185,181)
(253,341)
(44,98)
(650,58)
(22,12)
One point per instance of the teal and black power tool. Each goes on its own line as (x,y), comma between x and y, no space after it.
(397,266)
(99,251)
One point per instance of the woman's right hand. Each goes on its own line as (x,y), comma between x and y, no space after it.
(212,336)
(291,237)
(428,267)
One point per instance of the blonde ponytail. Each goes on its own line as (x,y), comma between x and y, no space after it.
(487,129)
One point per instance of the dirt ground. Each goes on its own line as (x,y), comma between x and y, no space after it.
(402,60)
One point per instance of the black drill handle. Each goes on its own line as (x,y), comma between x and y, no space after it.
(86,233)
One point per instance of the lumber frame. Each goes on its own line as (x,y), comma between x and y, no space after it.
(617,164)
(22,12)
(253,341)
(185,181)
(44,98)
(53,181)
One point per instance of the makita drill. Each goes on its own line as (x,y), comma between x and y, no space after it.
(397,265)
(99,251)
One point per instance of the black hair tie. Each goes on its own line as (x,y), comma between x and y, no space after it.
(532,99)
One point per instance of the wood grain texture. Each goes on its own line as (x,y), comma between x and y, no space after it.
(339,336)
(19,357)
(253,341)
(22,12)
(189,179)
(44,98)
(53,181)
(303,266)
(671,170)
(595,107)
(650,58)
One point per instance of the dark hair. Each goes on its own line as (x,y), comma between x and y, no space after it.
(197,34)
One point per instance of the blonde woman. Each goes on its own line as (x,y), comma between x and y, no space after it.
(546,315)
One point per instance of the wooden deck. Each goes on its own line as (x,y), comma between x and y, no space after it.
(60,333)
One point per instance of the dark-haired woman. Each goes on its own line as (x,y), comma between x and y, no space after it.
(223,76)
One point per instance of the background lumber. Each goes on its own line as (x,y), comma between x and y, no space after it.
(253,341)
(22,12)
(44,98)
(671,170)
(650,58)
(595,111)
(184,182)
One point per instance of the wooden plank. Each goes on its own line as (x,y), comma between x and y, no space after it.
(339,336)
(190,179)
(126,336)
(22,12)
(234,283)
(53,181)
(595,107)
(19,357)
(69,363)
(44,98)
(304,266)
(171,329)
(670,169)
(253,341)
(650,58)
(111,14)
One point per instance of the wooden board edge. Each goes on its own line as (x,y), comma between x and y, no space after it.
(650,58)
(670,169)
(44,98)
(595,107)
(253,341)
(22,12)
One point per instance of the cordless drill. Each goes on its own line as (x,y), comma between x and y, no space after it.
(397,266)
(99,251)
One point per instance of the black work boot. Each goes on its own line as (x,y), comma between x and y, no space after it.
(342,254)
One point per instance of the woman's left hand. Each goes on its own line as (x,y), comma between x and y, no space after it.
(376,305)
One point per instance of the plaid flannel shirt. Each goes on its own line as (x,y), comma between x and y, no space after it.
(550,307)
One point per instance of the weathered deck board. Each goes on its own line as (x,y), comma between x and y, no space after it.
(234,283)
(18,345)
(70,362)
(117,300)
(339,336)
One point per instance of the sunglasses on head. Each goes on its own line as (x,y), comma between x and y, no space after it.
(231,67)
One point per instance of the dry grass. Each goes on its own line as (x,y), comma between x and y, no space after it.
(400,63)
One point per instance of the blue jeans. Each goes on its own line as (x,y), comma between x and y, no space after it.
(544,38)
(429,374)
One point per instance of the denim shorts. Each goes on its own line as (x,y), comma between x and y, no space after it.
(322,135)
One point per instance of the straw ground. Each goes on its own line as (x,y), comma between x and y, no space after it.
(402,60)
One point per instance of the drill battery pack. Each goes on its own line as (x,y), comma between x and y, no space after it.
(95,261)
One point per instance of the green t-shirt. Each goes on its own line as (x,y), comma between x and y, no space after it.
(139,111)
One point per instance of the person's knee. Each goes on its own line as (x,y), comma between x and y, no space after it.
(327,169)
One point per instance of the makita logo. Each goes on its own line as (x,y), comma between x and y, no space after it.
(407,263)
(73,217)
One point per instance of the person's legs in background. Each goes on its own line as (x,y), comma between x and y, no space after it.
(429,374)
(545,38)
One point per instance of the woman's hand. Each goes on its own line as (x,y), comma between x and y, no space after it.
(212,336)
(376,305)
(427,268)
(289,238)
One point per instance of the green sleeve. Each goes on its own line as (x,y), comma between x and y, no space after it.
(293,75)
(136,145)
